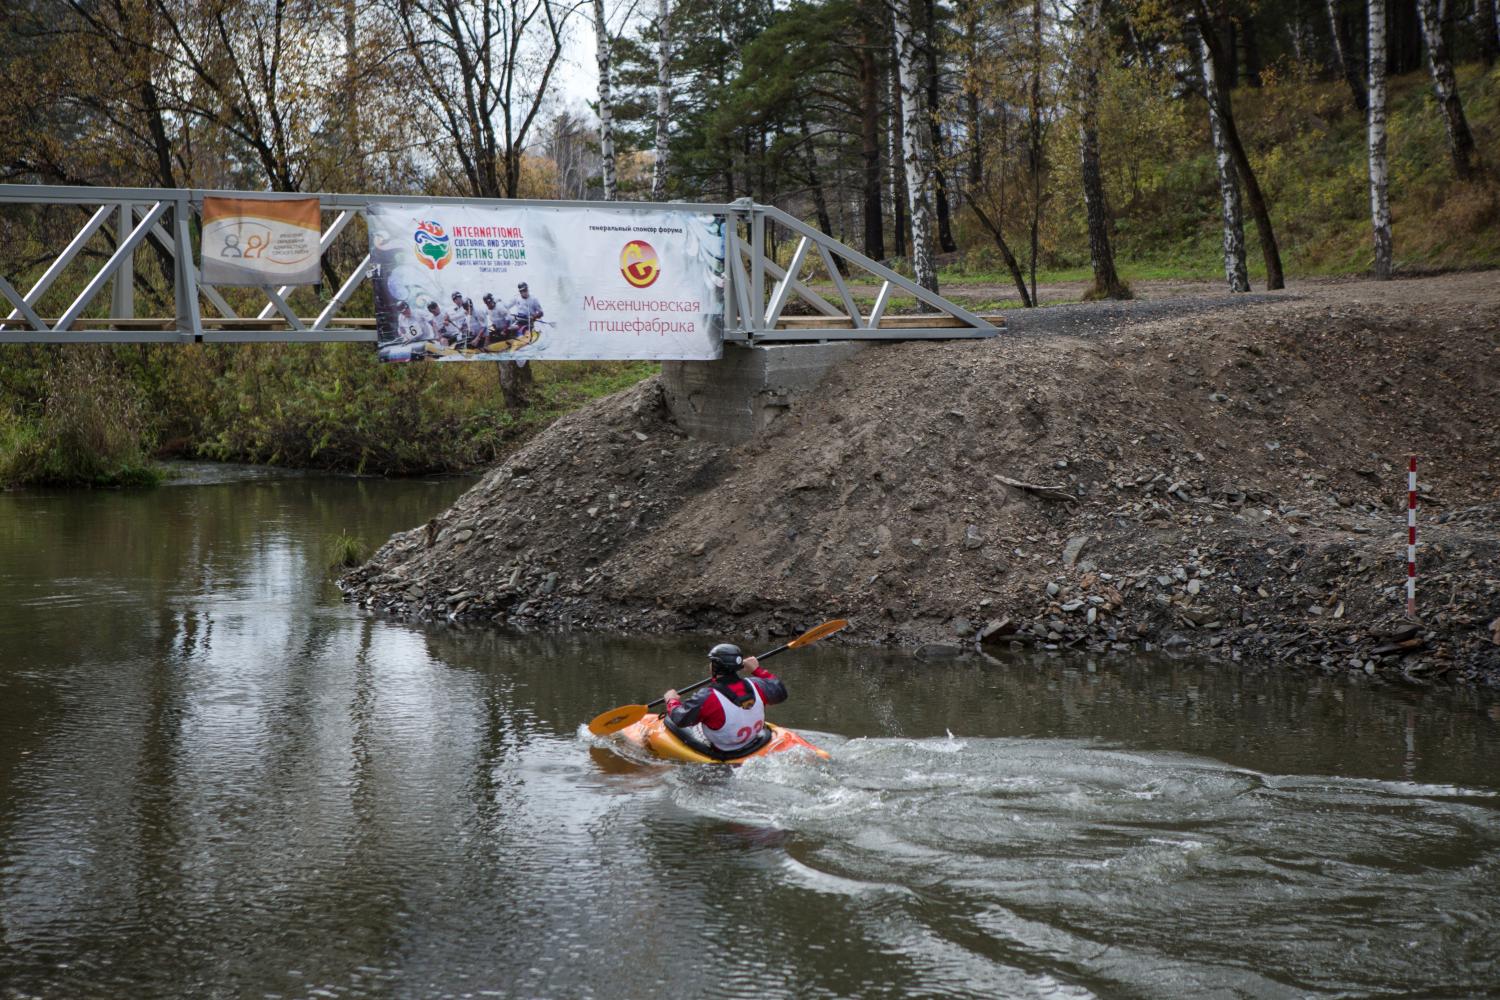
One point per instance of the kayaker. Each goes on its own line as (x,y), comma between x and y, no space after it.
(730,713)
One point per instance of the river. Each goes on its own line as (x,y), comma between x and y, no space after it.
(219,780)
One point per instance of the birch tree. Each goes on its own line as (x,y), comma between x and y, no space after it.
(914,148)
(606,107)
(1229,190)
(663,98)
(1445,85)
(1380,207)
(1223,109)
(1089,55)
(1036,130)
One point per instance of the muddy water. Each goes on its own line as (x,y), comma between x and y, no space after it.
(218,780)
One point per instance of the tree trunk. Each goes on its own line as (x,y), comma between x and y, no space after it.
(1380,208)
(1107,283)
(1035,151)
(515,384)
(976,146)
(1011,264)
(1234,227)
(352,131)
(815,184)
(663,98)
(1489,31)
(1251,41)
(606,107)
(898,184)
(1403,41)
(1344,58)
(934,93)
(1445,85)
(1226,50)
(869,148)
(1269,250)
(914,134)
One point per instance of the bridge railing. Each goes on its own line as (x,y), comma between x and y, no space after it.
(115,226)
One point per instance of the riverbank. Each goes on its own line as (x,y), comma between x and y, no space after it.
(1229,482)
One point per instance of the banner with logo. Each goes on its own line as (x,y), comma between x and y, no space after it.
(481,283)
(261,241)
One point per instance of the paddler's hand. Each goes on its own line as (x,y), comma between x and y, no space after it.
(671,696)
(750,663)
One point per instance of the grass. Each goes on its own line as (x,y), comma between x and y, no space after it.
(1307,143)
(30,456)
(346,551)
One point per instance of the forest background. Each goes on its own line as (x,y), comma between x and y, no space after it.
(991,148)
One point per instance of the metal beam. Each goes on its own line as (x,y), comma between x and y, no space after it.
(66,257)
(19,300)
(324,242)
(123,251)
(342,296)
(880,270)
(784,287)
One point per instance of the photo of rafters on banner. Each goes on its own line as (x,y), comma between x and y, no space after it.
(471,283)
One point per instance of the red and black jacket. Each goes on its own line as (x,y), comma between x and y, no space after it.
(701,708)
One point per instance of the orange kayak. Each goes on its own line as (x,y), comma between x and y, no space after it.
(651,734)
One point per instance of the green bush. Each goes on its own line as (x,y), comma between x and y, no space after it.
(89,431)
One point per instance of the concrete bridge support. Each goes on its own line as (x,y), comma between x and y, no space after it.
(738,397)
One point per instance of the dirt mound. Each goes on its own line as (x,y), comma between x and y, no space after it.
(1231,482)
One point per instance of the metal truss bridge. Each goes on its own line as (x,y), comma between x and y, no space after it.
(117,228)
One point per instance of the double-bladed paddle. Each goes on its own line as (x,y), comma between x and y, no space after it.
(617,719)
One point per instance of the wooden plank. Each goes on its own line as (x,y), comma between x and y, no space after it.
(902,322)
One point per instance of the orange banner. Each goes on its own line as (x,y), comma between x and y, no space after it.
(261,241)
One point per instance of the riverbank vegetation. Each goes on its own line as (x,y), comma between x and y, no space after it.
(990,149)
(97,415)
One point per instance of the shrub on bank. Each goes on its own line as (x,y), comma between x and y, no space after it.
(85,415)
(88,430)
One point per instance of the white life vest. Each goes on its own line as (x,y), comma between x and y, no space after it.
(741,725)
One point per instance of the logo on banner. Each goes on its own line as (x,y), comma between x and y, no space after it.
(434,249)
(639,264)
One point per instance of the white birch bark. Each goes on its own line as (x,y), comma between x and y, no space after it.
(663,98)
(606,108)
(1445,85)
(1380,207)
(1346,59)
(1235,271)
(914,147)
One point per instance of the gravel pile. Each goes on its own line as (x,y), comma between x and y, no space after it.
(1222,480)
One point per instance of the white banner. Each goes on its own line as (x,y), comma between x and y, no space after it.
(261,241)
(481,283)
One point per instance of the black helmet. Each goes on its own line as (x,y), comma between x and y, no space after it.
(726,658)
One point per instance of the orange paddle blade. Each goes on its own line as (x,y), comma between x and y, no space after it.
(617,719)
(822,631)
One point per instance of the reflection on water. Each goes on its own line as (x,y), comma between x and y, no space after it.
(217,779)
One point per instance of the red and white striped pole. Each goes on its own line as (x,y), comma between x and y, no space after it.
(1411,538)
